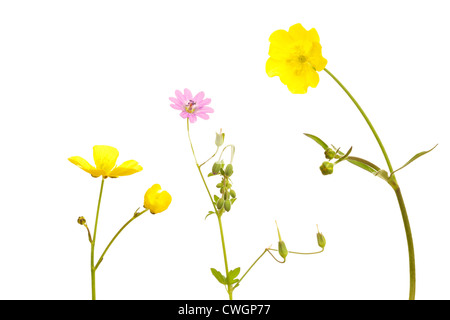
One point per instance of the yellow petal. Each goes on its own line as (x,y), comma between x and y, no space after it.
(105,158)
(125,169)
(81,163)
(275,67)
(157,200)
(280,38)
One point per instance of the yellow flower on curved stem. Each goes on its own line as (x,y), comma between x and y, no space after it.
(105,158)
(156,200)
(296,57)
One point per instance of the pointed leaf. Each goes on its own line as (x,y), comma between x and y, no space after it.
(233,273)
(218,276)
(383,175)
(209,213)
(345,156)
(216,198)
(363,164)
(318,140)
(414,158)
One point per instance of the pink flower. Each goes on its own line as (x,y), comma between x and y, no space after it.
(191,107)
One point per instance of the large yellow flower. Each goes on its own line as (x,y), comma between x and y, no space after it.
(157,200)
(105,158)
(296,56)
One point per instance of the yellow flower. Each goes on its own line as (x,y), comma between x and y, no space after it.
(157,200)
(296,56)
(105,163)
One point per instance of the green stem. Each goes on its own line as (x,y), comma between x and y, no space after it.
(93,241)
(229,288)
(117,234)
(412,268)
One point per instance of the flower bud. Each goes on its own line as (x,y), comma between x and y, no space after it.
(227,205)
(330,153)
(321,240)
(326,168)
(216,167)
(220,203)
(220,138)
(82,221)
(282,250)
(229,170)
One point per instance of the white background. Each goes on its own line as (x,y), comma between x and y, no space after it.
(74,74)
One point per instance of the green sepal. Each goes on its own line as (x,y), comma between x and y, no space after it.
(219,276)
(318,140)
(414,158)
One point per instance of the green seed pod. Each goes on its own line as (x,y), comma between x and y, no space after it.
(219,185)
(282,250)
(233,193)
(220,203)
(227,205)
(326,168)
(321,240)
(82,221)
(226,195)
(330,153)
(229,170)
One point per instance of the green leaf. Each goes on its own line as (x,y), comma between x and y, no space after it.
(216,198)
(318,140)
(233,200)
(219,276)
(414,158)
(234,273)
(364,164)
(345,156)
(209,213)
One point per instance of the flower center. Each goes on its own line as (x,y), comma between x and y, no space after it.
(190,106)
(302,59)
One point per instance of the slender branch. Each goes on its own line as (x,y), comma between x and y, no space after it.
(136,215)
(93,241)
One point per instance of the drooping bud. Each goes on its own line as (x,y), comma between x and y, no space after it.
(81,221)
(330,153)
(326,168)
(282,250)
(321,239)
(220,138)
(229,170)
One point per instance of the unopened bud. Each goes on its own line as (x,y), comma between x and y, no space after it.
(321,239)
(282,249)
(227,205)
(220,203)
(82,221)
(220,138)
(229,170)
(326,168)
(330,153)
(217,166)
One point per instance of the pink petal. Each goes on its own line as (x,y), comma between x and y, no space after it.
(184,114)
(188,94)
(193,118)
(176,101)
(205,110)
(176,107)
(180,97)
(202,115)
(199,96)
(204,102)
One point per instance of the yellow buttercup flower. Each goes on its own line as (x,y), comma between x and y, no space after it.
(105,158)
(296,56)
(157,200)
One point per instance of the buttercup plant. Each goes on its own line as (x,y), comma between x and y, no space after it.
(296,58)
(155,200)
(192,107)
